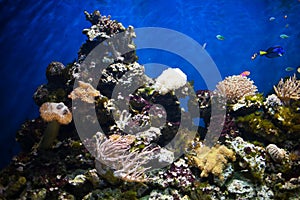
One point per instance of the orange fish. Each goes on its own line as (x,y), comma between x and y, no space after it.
(245,73)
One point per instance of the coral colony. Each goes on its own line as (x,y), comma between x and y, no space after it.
(256,157)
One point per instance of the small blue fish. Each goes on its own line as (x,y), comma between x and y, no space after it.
(284,36)
(220,37)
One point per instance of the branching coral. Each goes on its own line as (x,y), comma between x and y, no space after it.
(85,91)
(235,87)
(212,160)
(288,89)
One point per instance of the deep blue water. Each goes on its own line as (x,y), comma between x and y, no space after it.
(34,33)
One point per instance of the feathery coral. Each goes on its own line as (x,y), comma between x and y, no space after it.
(235,87)
(212,160)
(86,92)
(114,153)
(288,89)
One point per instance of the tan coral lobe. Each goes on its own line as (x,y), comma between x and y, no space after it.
(212,160)
(85,92)
(56,112)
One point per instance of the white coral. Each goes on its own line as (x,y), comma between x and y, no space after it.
(170,79)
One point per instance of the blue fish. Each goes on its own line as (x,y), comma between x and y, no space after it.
(272,52)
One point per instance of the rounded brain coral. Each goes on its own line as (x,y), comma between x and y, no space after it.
(236,87)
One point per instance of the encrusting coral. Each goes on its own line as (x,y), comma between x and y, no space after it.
(212,160)
(233,88)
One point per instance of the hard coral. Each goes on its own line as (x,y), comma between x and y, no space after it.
(235,87)
(251,156)
(212,160)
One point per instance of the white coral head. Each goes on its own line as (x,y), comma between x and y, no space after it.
(170,79)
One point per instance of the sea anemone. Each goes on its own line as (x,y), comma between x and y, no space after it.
(288,89)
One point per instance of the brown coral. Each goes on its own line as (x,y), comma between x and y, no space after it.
(236,87)
(86,92)
(212,160)
(288,89)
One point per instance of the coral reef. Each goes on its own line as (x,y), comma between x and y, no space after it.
(133,156)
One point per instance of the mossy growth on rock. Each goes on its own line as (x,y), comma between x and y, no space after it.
(256,125)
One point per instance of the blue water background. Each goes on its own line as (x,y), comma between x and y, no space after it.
(36,32)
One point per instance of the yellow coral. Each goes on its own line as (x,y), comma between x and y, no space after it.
(212,160)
